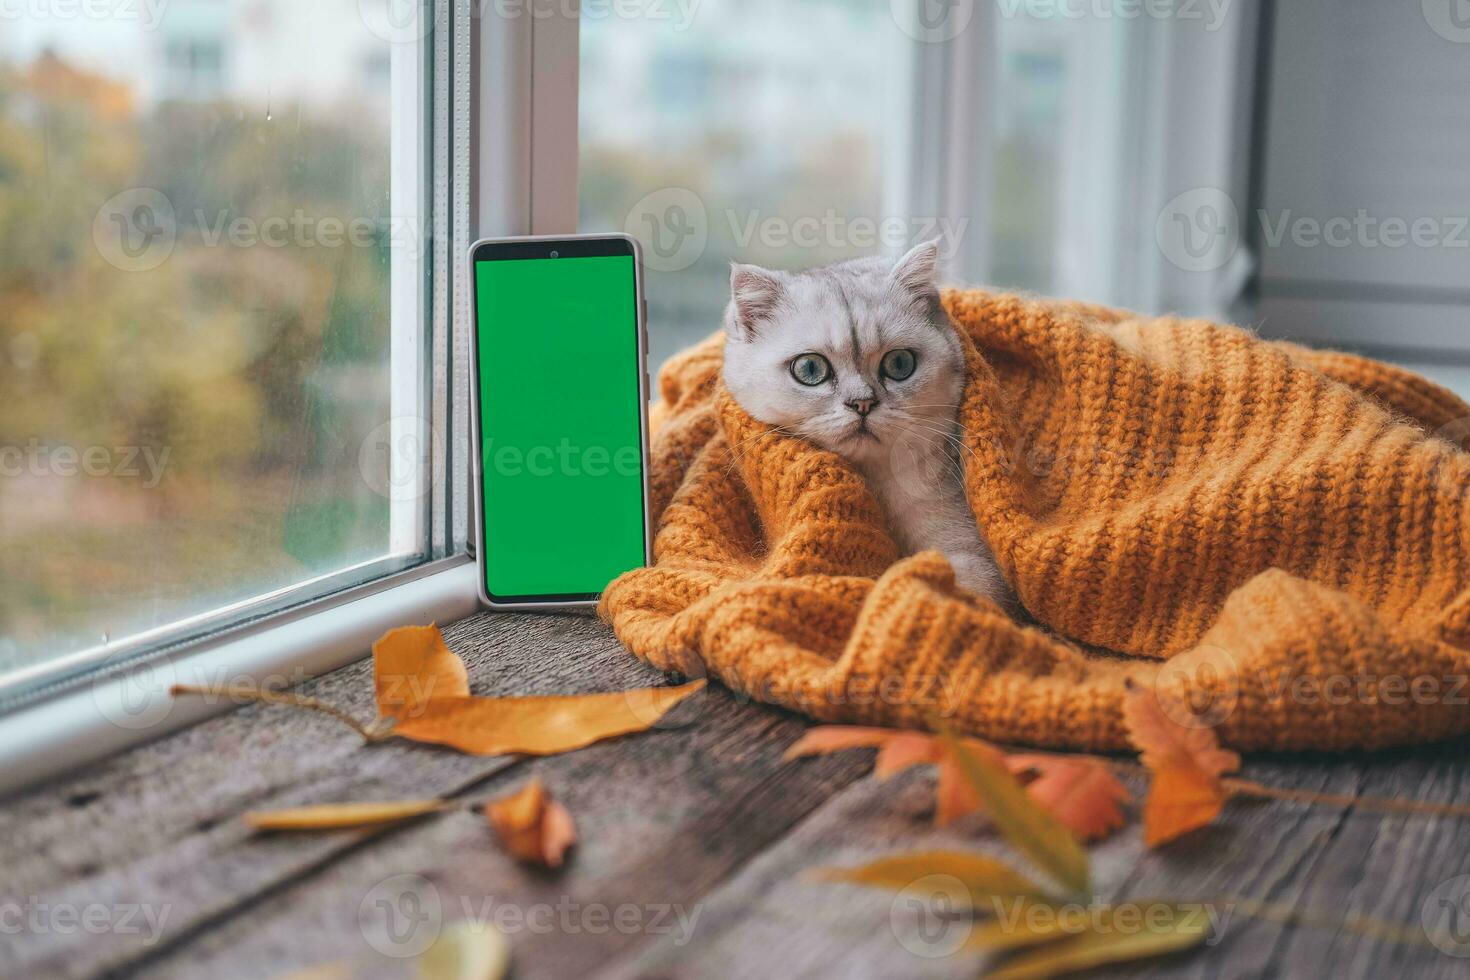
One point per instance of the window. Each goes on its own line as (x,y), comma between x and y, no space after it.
(214,329)
(760,131)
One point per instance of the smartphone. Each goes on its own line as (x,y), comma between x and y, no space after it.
(560,410)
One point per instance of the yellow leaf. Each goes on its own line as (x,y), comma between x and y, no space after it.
(1107,941)
(325,971)
(465,950)
(541,725)
(412,666)
(1029,827)
(339,816)
(1018,926)
(533,826)
(982,876)
(1182,798)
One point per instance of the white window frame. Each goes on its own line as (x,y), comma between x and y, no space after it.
(1196,134)
(505,119)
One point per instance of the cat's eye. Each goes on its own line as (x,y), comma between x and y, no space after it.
(810,369)
(898,364)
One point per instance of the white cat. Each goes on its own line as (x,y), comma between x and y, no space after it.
(860,358)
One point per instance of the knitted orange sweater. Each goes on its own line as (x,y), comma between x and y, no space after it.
(1268,536)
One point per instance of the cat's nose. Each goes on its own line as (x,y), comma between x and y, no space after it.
(863,405)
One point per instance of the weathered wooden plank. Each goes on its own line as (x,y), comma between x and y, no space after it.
(157,827)
(772,919)
(698,837)
(1349,862)
(663,817)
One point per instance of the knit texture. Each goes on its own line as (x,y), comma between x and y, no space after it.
(1272,539)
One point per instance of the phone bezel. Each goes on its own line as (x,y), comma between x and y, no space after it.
(540,246)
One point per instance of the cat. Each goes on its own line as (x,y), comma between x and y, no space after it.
(860,359)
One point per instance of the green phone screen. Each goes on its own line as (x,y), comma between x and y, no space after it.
(560,424)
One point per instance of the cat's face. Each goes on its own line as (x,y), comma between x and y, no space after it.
(858,358)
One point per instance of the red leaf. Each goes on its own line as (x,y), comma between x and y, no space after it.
(1082,793)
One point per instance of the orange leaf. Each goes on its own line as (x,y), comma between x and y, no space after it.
(1082,793)
(533,826)
(898,749)
(905,749)
(412,665)
(825,739)
(1187,763)
(954,797)
(1182,798)
(1163,742)
(540,725)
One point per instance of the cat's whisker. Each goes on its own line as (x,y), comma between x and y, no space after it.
(950,460)
(946,433)
(740,450)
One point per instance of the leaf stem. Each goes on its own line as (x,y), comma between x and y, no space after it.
(245,692)
(1372,928)
(1246,787)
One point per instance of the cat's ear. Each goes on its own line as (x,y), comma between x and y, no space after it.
(753,295)
(916,274)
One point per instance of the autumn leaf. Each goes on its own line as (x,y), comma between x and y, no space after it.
(539,725)
(898,749)
(1152,929)
(1163,742)
(336,970)
(412,665)
(1186,763)
(1033,831)
(954,797)
(906,749)
(825,739)
(340,816)
(1027,921)
(1082,793)
(980,875)
(533,826)
(1181,799)
(465,950)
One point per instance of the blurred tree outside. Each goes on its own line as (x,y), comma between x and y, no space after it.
(257,367)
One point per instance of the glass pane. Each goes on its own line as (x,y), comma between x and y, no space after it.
(201,241)
(755,130)
(1064,118)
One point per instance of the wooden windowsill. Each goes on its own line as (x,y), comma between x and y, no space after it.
(695,843)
